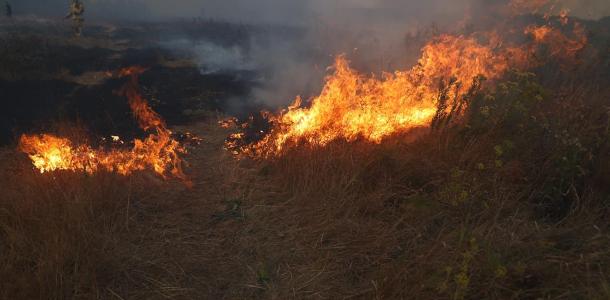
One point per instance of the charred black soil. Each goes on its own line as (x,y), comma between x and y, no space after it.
(50,77)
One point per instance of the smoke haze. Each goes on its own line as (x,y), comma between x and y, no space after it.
(293,12)
(371,32)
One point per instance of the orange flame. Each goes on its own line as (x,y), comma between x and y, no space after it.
(560,45)
(353,106)
(159,151)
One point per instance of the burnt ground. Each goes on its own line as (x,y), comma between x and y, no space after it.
(47,77)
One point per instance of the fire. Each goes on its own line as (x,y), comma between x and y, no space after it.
(159,151)
(539,33)
(559,44)
(353,106)
(228,123)
(50,153)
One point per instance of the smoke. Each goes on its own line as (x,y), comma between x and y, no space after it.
(94,9)
(357,13)
(376,34)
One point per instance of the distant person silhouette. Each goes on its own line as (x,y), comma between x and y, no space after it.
(77,9)
(8,10)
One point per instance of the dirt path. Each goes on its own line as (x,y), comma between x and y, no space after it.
(237,235)
(200,243)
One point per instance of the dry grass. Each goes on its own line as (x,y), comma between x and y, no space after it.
(397,220)
(376,223)
(455,214)
(66,235)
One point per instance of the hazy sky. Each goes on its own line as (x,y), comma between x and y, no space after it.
(302,11)
(289,11)
(283,11)
(371,32)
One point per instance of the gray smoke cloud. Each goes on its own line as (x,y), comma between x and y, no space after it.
(296,12)
(371,32)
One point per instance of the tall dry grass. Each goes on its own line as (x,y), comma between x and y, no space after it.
(67,235)
(61,233)
(408,222)
(507,203)
(504,204)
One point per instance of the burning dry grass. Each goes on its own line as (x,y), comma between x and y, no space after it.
(159,152)
(503,204)
(78,235)
(353,106)
(451,68)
